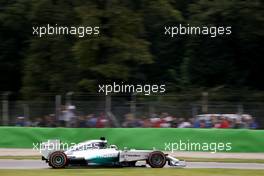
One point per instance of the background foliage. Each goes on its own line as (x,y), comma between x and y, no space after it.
(132,46)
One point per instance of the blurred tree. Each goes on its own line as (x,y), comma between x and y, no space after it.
(234,60)
(119,50)
(49,64)
(182,6)
(14,31)
(131,45)
(168,52)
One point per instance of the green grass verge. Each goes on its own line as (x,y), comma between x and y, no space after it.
(21,157)
(187,159)
(222,160)
(133,172)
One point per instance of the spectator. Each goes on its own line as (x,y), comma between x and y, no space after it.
(224,123)
(211,122)
(50,121)
(238,124)
(202,124)
(253,124)
(145,122)
(165,123)
(102,121)
(67,116)
(156,121)
(91,121)
(39,122)
(81,122)
(164,120)
(130,121)
(184,123)
(62,117)
(174,123)
(20,121)
(196,123)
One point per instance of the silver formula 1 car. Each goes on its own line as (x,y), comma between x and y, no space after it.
(98,153)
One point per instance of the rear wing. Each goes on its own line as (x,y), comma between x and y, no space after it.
(46,148)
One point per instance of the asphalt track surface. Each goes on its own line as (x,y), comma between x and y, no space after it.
(36,164)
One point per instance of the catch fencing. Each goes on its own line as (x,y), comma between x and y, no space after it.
(180,106)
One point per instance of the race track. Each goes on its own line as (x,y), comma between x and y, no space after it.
(37,164)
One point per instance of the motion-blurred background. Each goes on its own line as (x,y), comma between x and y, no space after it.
(211,82)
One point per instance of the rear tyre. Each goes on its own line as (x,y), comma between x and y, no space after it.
(156,159)
(58,160)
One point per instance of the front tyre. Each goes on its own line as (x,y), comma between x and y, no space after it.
(156,159)
(58,160)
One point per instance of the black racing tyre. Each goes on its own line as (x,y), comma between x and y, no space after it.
(58,160)
(156,159)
